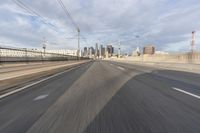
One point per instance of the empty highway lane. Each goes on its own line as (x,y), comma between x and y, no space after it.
(106,97)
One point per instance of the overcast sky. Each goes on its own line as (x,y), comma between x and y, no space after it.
(167,24)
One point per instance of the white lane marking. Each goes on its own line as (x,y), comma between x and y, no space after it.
(40,97)
(20,89)
(121,68)
(188,93)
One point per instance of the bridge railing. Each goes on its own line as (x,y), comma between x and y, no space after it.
(26,55)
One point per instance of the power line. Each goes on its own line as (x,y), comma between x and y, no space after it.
(34,13)
(73,22)
(68,15)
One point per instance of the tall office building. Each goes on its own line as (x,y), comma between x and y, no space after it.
(101,51)
(110,50)
(85,52)
(150,49)
(96,51)
(93,51)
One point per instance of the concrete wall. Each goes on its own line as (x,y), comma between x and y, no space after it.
(169,58)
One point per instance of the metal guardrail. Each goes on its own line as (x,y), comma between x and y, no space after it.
(26,55)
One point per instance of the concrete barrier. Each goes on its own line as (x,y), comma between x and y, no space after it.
(190,58)
(11,80)
(181,63)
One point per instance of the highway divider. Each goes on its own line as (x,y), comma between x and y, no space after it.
(10,81)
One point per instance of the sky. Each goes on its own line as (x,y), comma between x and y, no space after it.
(166,24)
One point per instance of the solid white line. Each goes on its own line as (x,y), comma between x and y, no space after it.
(121,68)
(20,89)
(188,93)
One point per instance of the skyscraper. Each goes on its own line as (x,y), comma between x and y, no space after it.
(96,51)
(110,50)
(85,52)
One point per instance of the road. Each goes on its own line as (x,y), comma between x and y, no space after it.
(106,97)
(17,71)
(12,67)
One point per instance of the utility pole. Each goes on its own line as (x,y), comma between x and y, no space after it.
(0,56)
(73,22)
(119,52)
(138,37)
(78,51)
(193,41)
(44,46)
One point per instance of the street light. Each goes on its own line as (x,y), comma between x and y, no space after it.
(44,45)
(78,52)
(137,36)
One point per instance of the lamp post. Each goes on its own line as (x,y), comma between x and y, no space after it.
(119,50)
(137,36)
(78,51)
(44,47)
(0,56)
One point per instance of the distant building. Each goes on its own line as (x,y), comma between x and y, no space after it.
(96,51)
(91,52)
(136,52)
(85,52)
(161,52)
(101,51)
(110,50)
(149,49)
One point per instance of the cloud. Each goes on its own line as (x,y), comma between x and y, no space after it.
(164,23)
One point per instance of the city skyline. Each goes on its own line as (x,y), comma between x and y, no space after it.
(98,51)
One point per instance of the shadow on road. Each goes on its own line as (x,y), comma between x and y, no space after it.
(148,104)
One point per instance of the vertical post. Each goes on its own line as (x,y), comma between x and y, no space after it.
(78,51)
(26,55)
(44,46)
(41,57)
(193,47)
(142,57)
(193,41)
(0,57)
(44,52)
(119,50)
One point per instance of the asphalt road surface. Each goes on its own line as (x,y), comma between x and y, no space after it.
(106,97)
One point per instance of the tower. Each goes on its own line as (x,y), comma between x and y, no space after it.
(119,50)
(96,50)
(44,45)
(193,41)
